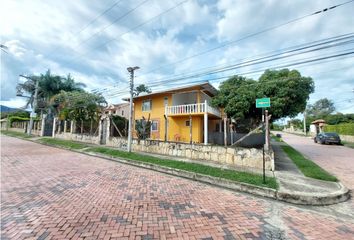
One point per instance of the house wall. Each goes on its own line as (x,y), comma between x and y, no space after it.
(157,113)
(177,125)
(184,98)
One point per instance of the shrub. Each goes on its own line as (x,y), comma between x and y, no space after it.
(344,128)
(17,119)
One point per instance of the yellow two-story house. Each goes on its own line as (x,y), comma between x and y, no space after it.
(181,114)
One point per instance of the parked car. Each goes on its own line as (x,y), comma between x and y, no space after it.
(327,138)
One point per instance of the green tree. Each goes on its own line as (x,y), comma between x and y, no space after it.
(142,88)
(49,85)
(288,91)
(78,105)
(320,108)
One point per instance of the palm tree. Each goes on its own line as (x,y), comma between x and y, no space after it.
(49,85)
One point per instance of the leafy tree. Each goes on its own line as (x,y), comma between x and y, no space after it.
(288,91)
(321,108)
(78,105)
(141,89)
(296,123)
(49,85)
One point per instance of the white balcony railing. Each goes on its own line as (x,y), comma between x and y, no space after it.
(192,108)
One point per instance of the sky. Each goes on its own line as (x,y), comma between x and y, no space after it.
(95,41)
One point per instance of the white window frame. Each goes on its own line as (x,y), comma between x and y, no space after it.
(157,125)
(142,105)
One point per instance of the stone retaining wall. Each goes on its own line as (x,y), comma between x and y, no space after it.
(238,157)
(347,138)
(79,137)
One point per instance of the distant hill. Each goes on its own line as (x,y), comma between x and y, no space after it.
(5,109)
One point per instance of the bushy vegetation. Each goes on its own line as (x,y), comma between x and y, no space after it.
(344,129)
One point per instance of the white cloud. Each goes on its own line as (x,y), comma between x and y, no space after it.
(43,34)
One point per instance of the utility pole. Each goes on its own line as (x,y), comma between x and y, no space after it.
(33,112)
(130,127)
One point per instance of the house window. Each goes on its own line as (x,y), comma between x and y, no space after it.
(146,105)
(154,125)
(188,123)
(122,112)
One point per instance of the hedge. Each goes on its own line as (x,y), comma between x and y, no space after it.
(344,128)
(17,119)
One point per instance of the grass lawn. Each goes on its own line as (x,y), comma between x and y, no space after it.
(348,144)
(15,134)
(277,139)
(244,177)
(306,166)
(63,143)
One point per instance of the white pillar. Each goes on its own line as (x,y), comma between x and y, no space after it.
(65,126)
(205,122)
(108,129)
(44,116)
(54,126)
(72,126)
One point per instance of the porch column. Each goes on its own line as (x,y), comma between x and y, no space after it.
(205,122)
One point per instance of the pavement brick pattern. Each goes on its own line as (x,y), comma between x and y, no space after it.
(50,193)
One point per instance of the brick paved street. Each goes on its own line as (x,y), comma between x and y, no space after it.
(49,193)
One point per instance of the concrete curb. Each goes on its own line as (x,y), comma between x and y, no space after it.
(343,194)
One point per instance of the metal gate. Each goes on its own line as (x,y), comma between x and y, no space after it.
(48,125)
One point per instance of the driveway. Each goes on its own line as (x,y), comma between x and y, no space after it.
(338,160)
(50,193)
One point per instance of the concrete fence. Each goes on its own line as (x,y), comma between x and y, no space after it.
(239,157)
(22,126)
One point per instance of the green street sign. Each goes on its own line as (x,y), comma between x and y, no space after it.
(262,102)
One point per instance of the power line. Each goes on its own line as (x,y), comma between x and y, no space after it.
(246,62)
(253,71)
(256,61)
(248,36)
(115,21)
(134,28)
(98,16)
(308,60)
(280,52)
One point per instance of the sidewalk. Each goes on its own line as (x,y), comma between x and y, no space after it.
(295,187)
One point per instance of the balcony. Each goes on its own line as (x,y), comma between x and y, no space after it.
(192,109)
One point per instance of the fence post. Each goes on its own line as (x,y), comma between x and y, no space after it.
(108,129)
(54,126)
(65,126)
(72,126)
(225,130)
(44,116)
